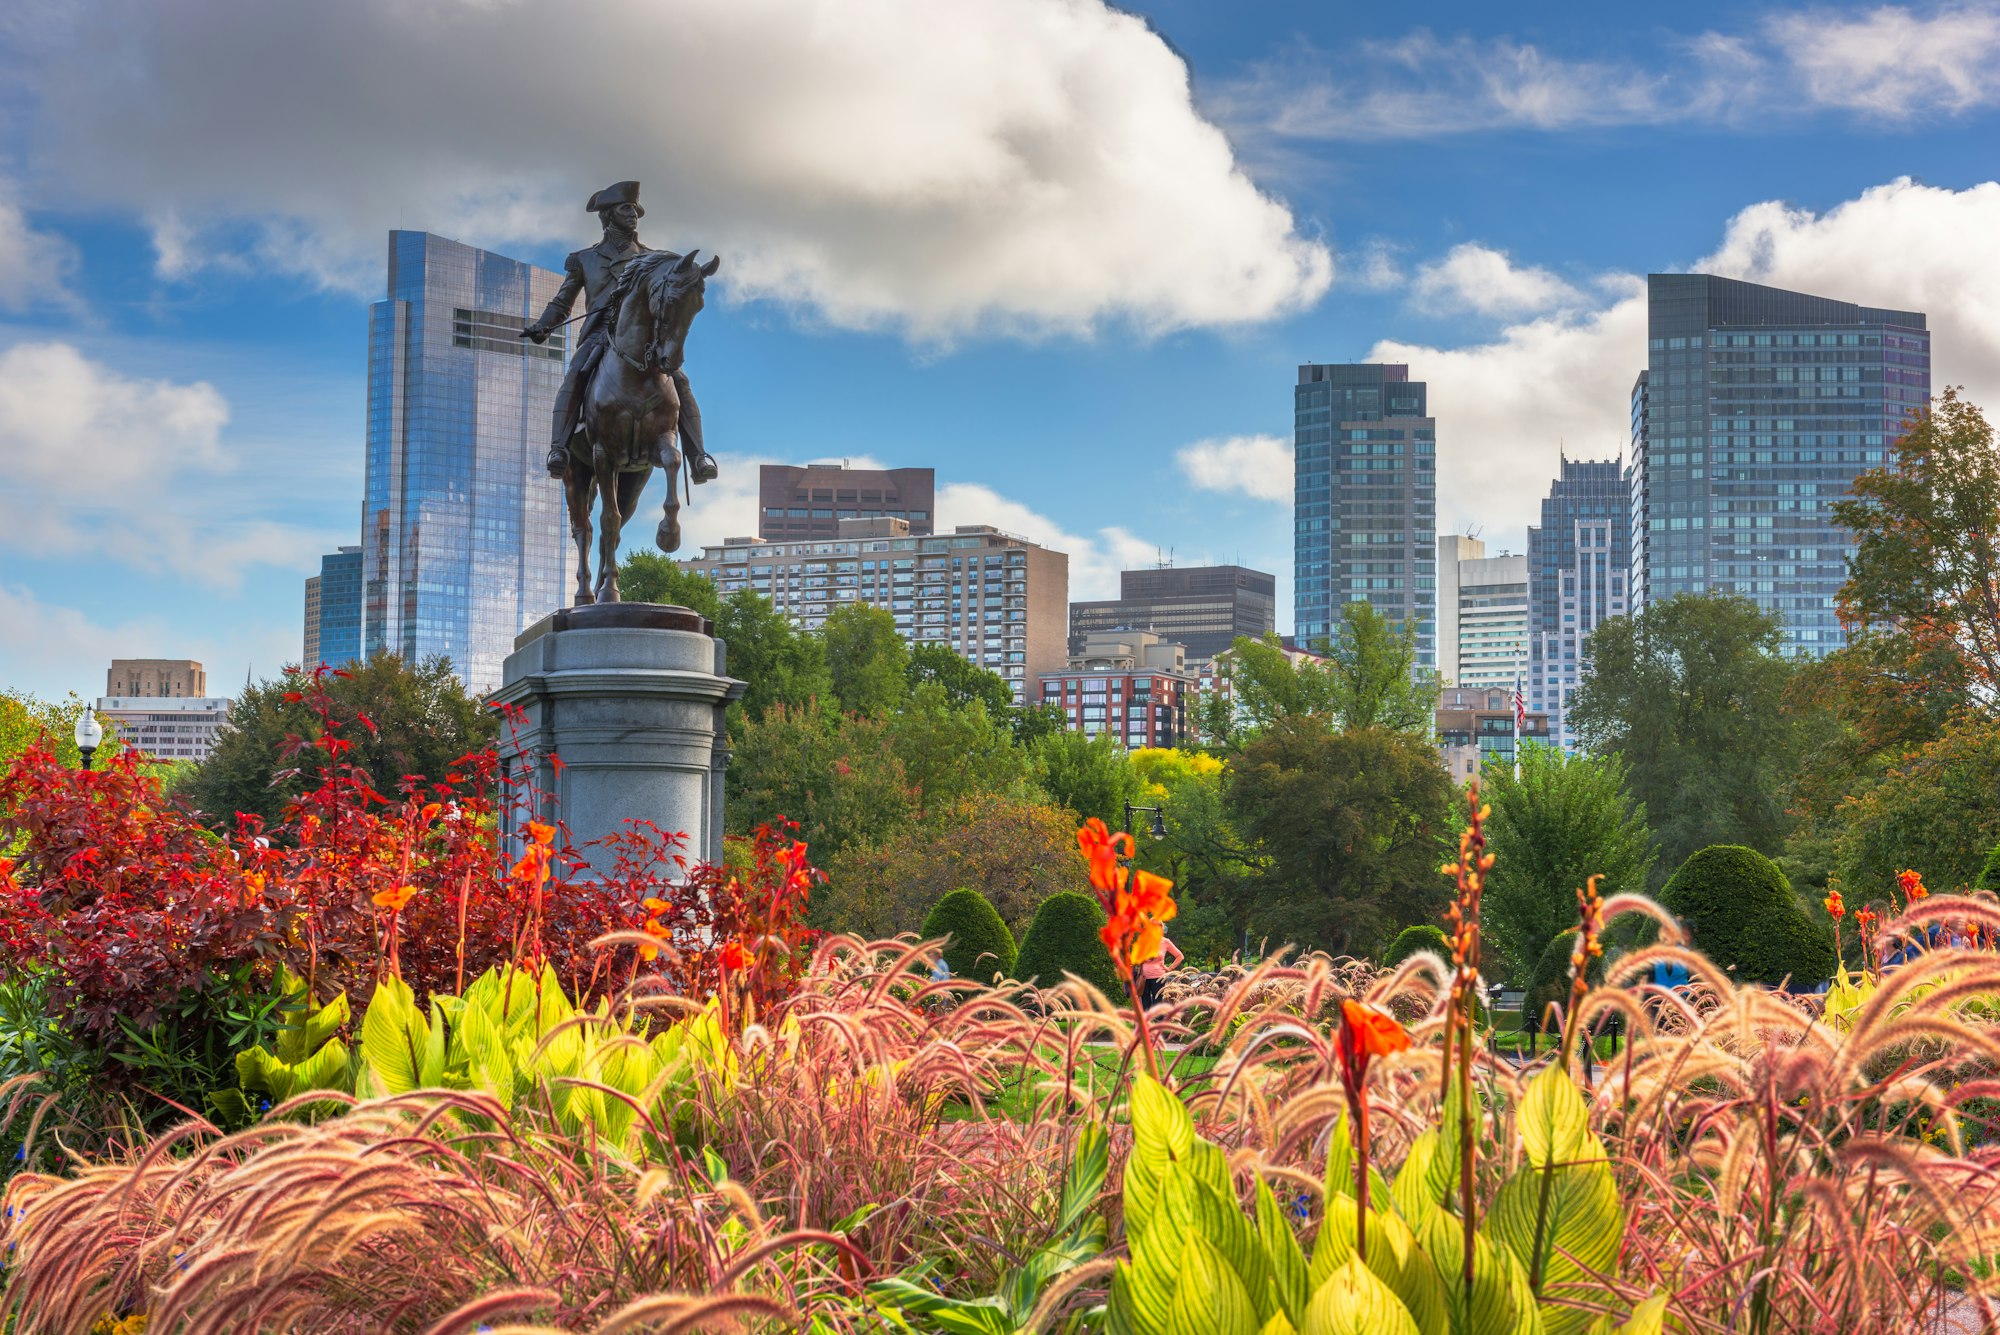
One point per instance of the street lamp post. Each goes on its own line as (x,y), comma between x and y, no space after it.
(89,734)
(1158,830)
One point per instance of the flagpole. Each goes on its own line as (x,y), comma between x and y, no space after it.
(1519,705)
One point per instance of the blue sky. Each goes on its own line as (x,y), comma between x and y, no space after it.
(1069,256)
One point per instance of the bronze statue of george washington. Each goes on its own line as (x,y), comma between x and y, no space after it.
(595,273)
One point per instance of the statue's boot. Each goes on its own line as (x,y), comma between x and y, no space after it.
(701,467)
(558,459)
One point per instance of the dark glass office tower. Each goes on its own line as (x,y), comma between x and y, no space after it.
(1364,508)
(1756,410)
(337,636)
(463,535)
(1579,558)
(1201,608)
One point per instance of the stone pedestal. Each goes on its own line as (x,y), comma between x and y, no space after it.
(630,698)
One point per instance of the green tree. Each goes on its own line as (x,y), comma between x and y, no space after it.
(651,577)
(1063,939)
(1742,914)
(1089,775)
(1926,566)
(947,752)
(1209,862)
(781,664)
(1691,693)
(1265,684)
(1566,819)
(1937,810)
(423,721)
(867,658)
(1354,824)
(1014,852)
(976,943)
(1031,723)
(1377,683)
(963,681)
(25,719)
(833,774)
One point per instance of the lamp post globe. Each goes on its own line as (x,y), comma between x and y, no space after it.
(89,734)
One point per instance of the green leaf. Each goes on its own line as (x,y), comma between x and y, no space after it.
(477,1042)
(1413,1192)
(1208,1298)
(1554,1120)
(1582,1229)
(394,1041)
(1395,1256)
(1162,1137)
(1085,1179)
(1287,1258)
(951,1315)
(329,1068)
(1500,1302)
(1340,1165)
(1354,1301)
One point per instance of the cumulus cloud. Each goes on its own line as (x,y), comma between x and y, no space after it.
(1094,561)
(1505,408)
(1477,278)
(1259,467)
(51,650)
(1896,60)
(104,463)
(34,266)
(1022,165)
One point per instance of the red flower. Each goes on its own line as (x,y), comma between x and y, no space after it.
(1912,883)
(734,957)
(1103,849)
(1365,1034)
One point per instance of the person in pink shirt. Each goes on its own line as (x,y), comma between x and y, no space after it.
(1153,973)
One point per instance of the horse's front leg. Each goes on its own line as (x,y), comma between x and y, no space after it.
(608,522)
(668,536)
(577,485)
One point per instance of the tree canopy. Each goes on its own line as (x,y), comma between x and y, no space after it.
(866,657)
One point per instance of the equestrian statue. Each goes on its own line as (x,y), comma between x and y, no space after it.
(617,418)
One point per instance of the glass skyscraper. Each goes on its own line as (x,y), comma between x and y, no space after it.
(463,535)
(1579,559)
(1756,410)
(335,636)
(1364,508)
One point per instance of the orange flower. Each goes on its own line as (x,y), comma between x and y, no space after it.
(1103,849)
(734,956)
(7,881)
(1912,882)
(431,810)
(253,886)
(394,898)
(1834,908)
(1369,1033)
(540,833)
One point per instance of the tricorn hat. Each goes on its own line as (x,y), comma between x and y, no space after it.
(625,192)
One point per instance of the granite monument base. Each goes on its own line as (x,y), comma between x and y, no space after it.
(629,697)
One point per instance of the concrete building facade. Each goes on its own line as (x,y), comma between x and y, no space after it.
(796,502)
(156,678)
(1475,728)
(1492,622)
(998,600)
(1203,608)
(1132,684)
(1579,558)
(167,728)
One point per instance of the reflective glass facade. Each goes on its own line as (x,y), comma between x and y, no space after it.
(1364,505)
(1579,558)
(463,535)
(1756,410)
(338,637)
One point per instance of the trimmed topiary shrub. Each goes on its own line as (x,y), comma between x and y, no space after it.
(1989,875)
(1424,936)
(1062,939)
(1548,985)
(1741,911)
(978,945)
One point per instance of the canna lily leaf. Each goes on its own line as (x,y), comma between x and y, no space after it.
(1582,1225)
(1208,1298)
(1287,1259)
(1554,1120)
(395,1042)
(1354,1301)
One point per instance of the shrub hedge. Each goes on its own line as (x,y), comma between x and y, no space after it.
(1741,912)
(1062,939)
(1989,875)
(1424,936)
(1548,985)
(978,944)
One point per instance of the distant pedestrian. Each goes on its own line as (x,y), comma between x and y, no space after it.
(1153,973)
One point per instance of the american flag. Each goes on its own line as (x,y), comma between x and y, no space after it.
(1520,707)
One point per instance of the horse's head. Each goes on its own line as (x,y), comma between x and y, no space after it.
(673,296)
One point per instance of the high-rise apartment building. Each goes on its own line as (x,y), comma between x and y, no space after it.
(1130,683)
(1202,608)
(1579,557)
(333,610)
(812,500)
(1492,619)
(998,600)
(1756,410)
(156,678)
(1364,512)
(463,535)
(1452,548)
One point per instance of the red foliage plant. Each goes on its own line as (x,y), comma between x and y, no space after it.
(127,904)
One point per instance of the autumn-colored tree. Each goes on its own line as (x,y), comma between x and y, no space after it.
(1923,586)
(1936,809)
(1013,851)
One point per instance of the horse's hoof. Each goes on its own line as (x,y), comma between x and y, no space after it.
(668,536)
(609,595)
(585,598)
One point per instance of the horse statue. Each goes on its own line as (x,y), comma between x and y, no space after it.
(632,414)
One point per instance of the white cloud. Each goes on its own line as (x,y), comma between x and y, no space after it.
(50,650)
(102,463)
(1504,408)
(1094,562)
(1259,467)
(1019,165)
(1893,60)
(34,266)
(1477,278)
